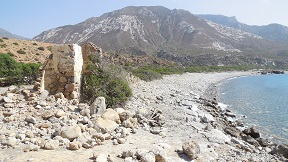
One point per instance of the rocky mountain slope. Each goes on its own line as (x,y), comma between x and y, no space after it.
(275,32)
(25,50)
(170,34)
(5,33)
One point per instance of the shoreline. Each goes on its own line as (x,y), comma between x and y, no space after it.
(211,93)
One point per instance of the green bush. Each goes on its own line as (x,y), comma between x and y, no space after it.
(1,40)
(10,54)
(17,73)
(9,67)
(35,44)
(5,38)
(41,48)
(21,52)
(105,80)
(15,43)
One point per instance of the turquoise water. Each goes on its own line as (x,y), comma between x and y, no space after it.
(262,99)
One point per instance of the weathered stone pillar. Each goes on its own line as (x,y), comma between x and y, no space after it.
(63,70)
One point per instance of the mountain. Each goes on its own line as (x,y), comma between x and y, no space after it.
(170,34)
(275,32)
(5,33)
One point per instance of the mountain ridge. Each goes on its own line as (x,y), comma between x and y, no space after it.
(271,31)
(150,30)
(5,33)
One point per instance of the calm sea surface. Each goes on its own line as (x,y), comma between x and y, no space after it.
(262,99)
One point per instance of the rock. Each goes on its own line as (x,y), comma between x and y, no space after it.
(263,142)
(252,132)
(207,118)
(59,113)
(59,95)
(75,145)
(155,130)
(47,114)
(71,132)
(29,134)
(8,100)
(98,106)
(8,105)
(145,156)
(51,145)
(191,149)
(110,114)
(30,119)
(121,140)
(12,141)
(232,131)
(105,125)
(217,136)
(160,155)
(95,154)
(102,157)
(280,150)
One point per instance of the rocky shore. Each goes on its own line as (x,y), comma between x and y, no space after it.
(173,119)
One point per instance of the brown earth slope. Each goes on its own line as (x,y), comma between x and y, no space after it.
(25,50)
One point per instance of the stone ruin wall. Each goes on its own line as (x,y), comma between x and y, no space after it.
(63,69)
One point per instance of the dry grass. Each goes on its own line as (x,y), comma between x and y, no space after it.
(35,52)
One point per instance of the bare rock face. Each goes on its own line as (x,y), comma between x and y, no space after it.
(98,106)
(191,149)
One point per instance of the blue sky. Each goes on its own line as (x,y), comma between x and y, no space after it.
(29,18)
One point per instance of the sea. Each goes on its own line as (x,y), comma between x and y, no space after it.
(260,101)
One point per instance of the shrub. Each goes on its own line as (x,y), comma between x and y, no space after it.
(21,52)
(105,80)
(10,54)
(15,43)
(35,44)
(5,38)
(41,48)
(1,40)
(3,45)
(15,73)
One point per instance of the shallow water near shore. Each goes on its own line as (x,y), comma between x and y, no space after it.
(261,101)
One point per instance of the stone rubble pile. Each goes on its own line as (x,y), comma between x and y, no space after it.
(30,121)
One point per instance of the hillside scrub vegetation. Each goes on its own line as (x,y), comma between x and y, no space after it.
(106,80)
(149,73)
(13,72)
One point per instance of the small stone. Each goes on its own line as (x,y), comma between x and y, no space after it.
(47,114)
(74,145)
(29,134)
(95,154)
(111,114)
(8,105)
(121,140)
(71,132)
(105,125)
(98,106)
(191,149)
(102,157)
(12,141)
(8,100)
(30,119)
(59,113)
(51,145)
